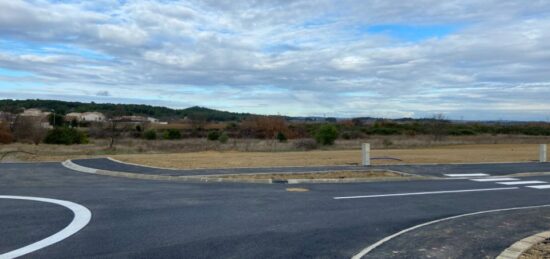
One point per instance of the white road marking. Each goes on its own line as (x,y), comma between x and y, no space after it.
(81,218)
(465,175)
(521,182)
(424,193)
(388,238)
(496,179)
(540,186)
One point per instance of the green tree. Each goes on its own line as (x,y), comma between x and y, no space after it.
(326,135)
(281,137)
(150,134)
(172,134)
(213,135)
(65,136)
(223,138)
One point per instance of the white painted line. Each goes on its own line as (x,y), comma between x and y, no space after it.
(496,179)
(465,175)
(424,193)
(81,218)
(540,186)
(388,238)
(521,182)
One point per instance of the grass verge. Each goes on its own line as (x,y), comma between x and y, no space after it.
(538,251)
(320,175)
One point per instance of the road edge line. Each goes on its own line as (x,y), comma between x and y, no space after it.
(368,249)
(82,217)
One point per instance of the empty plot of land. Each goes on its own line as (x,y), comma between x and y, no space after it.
(329,175)
(232,159)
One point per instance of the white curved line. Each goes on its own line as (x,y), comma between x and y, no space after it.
(81,218)
(386,239)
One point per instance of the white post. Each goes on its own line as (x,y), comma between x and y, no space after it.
(365,148)
(542,153)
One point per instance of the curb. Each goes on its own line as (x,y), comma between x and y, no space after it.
(217,178)
(198,179)
(216,168)
(519,247)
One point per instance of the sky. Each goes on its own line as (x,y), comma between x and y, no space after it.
(466,59)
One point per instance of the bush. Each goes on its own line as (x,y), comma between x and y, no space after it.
(281,137)
(213,135)
(172,134)
(305,144)
(150,134)
(326,135)
(65,136)
(223,138)
(5,135)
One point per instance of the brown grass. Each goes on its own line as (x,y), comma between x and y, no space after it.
(538,251)
(329,175)
(200,153)
(445,154)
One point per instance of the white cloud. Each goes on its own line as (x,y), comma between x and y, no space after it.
(316,54)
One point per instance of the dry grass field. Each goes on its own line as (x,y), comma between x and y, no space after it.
(200,153)
(444,154)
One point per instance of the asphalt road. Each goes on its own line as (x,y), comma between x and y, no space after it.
(426,170)
(157,219)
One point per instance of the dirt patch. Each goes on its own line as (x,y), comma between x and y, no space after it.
(444,154)
(297,190)
(322,175)
(538,251)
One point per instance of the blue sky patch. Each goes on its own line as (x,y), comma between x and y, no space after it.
(22,47)
(13,73)
(411,32)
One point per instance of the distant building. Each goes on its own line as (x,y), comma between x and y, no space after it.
(134,119)
(93,116)
(34,113)
(73,116)
(85,116)
(131,118)
(38,115)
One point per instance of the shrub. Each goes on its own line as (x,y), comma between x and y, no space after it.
(305,144)
(223,138)
(213,135)
(150,134)
(172,134)
(65,136)
(326,135)
(29,129)
(5,135)
(281,137)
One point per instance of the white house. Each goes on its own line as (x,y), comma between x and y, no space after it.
(93,116)
(85,116)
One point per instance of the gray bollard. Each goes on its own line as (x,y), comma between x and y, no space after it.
(365,151)
(542,153)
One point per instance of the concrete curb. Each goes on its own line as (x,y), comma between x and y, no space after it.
(358,164)
(75,167)
(217,168)
(518,248)
(221,178)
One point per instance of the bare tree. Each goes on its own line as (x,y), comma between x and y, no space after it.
(29,129)
(438,126)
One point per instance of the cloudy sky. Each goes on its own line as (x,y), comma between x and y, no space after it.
(468,59)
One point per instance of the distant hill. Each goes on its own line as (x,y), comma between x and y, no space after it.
(110,109)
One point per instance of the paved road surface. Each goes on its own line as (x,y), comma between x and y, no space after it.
(148,219)
(427,170)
